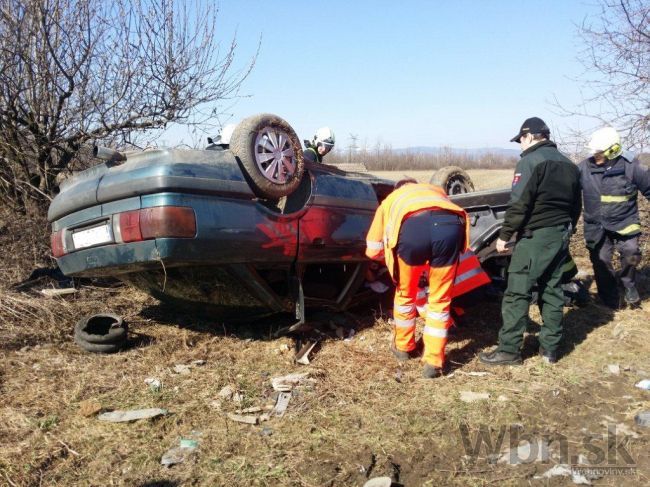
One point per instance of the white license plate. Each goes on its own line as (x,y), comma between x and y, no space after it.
(92,236)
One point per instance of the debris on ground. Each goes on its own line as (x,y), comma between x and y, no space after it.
(614,369)
(643,419)
(644,384)
(563,470)
(180,453)
(473,374)
(302,357)
(266,431)
(243,418)
(89,407)
(132,415)
(526,452)
(229,393)
(155,385)
(469,396)
(379,482)
(281,405)
(182,369)
(286,383)
(619,428)
(50,292)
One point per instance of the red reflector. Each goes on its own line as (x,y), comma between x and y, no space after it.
(130,226)
(56,240)
(167,221)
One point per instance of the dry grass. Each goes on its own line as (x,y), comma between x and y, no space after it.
(366,415)
(483,179)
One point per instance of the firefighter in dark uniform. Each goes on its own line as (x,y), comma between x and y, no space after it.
(610,185)
(544,207)
(322,142)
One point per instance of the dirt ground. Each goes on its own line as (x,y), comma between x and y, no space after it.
(361,415)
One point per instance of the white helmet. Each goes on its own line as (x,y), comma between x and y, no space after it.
(607,141)
(225,134)
(325,136)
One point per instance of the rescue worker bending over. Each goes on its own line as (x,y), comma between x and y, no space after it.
(322,142)
(544,206)
(610,183)
(414,227)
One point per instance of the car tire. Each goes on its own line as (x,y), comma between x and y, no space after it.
(99,347)
(101,329)
(453,180)
(269,154)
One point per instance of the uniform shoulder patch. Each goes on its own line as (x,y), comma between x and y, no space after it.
(516,178)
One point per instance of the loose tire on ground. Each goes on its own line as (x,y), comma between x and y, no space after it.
(269,153)
(99,347)
(453,179)
(101,329)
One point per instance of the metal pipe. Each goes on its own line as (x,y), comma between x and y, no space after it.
(107,154)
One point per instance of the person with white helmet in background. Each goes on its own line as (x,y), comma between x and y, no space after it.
(610,185)
(322,142)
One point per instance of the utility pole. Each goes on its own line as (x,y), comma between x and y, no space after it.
(353,146)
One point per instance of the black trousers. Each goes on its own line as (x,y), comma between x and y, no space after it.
(601,258)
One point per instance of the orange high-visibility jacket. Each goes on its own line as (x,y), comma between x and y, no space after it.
(410,198)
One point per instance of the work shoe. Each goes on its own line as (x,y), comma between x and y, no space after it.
(498,357)
(547,356)
(400,355)
(632,297)
(431,371)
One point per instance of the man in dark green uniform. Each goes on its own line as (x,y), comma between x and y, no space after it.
(545,205)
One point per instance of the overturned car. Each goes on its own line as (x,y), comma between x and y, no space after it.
(244,228)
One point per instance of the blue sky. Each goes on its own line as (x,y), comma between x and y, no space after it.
(414,73)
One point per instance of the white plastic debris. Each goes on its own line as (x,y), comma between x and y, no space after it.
(182,369)
(180,453)
(379,482)
(287,382)
(644,384)
(132,415)
(226,392)
(614,369)
(563,470)
(50,293)
(243,418)
(281,405)
(154,384)
(469,396)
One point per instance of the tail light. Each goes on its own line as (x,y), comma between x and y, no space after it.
(57,243)
(157,222)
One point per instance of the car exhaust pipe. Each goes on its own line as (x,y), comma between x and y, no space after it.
(107,154)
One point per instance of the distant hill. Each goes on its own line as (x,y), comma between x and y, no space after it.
(498,151)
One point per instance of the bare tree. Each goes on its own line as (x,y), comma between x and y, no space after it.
(617,62)
(75,72)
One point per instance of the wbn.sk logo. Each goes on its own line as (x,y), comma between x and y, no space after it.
(593,450)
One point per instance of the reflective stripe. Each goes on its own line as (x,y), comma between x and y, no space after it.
(467,275)
(634,228)
(405,323)
(465,255)
(608,198)
(435,332)
(373,245)
(444,316)
(405,309)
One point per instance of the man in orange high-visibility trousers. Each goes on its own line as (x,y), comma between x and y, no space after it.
(414,229)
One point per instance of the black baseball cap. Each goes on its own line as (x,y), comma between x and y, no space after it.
(534,125)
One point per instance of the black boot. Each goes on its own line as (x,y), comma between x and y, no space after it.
(548,356)
(499,357)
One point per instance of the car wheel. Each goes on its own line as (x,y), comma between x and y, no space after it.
(453,179)
(101,329)
(269,153)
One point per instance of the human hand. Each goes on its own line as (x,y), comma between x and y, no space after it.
(501,245)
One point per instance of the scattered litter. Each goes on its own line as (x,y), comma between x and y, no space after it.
(644,384)
(198,363)
(154,384)
(281,405)
(302,357)
(398,375)
(254,409)
(284,347)
(89,407)
(132,415)
(614,369)
(643,419)
(555,392)
(182,369)
(379,482)
(180,453)
(469,396)
(563,470)
(287,382)
(474,374)
(215,404)
(618,331)
(502,398)
(526,453)
(350,335)
(266,431)
(50,293)
(240,418)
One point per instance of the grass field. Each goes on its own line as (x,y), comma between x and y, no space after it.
(363,415)
(482,178)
